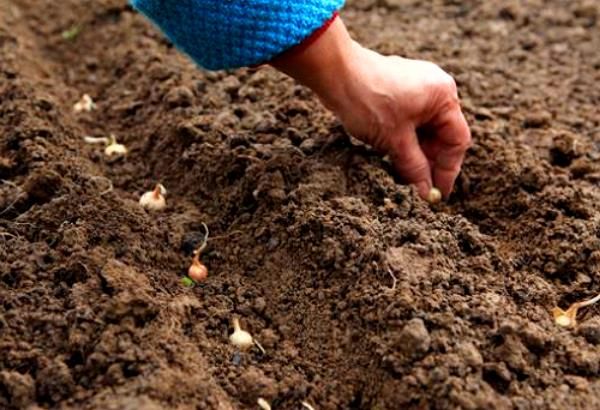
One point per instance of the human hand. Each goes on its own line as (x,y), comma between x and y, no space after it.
(406,108)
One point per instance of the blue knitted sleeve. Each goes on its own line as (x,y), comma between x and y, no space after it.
(234,33)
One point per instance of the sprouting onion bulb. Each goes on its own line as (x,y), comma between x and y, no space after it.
(240,338)
(562,318)
(154,200)
(434,196)
(568,318)
(263,404)
(85,104)
(197,271)
(114,148)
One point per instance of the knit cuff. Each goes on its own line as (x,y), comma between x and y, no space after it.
(307,42)
(235,33)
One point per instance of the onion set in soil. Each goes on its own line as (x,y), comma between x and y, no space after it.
(85,104)
(154,200)
(197,271)
(568,318)
(242,339)
(112,146)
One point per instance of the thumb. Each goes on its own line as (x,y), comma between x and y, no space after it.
(410,162)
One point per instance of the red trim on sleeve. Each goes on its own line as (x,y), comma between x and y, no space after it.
(308,41)
(313,37)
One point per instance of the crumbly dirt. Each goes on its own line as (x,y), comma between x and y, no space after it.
(309,228)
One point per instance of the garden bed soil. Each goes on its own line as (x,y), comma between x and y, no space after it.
(363,296)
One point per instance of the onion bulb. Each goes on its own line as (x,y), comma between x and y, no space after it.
(240,338)
(568,318)
(114,148)
(197,270)
(434,196)
(154,200)
(85,104)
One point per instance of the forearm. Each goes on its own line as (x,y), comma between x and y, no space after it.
(325,65)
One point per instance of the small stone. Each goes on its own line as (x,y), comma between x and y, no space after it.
(236,359)
(272,244)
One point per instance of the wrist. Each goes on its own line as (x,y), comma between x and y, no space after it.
(325,64)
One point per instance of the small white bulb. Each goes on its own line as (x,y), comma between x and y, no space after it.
(563,321)
(85,104)
(154,200)
(434,196)
(240,338)
(115,149)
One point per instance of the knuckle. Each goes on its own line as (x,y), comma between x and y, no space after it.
(449,85)
(410,166)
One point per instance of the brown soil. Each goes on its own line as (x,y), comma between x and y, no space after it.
(306,223)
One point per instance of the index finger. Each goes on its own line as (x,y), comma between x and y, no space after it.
(452,139)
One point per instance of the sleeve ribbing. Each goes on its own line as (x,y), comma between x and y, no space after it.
(221,34)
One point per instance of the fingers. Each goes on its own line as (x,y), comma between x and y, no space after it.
(452,139)
(410,161)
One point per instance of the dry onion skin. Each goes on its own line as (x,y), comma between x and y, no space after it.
(197,271)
